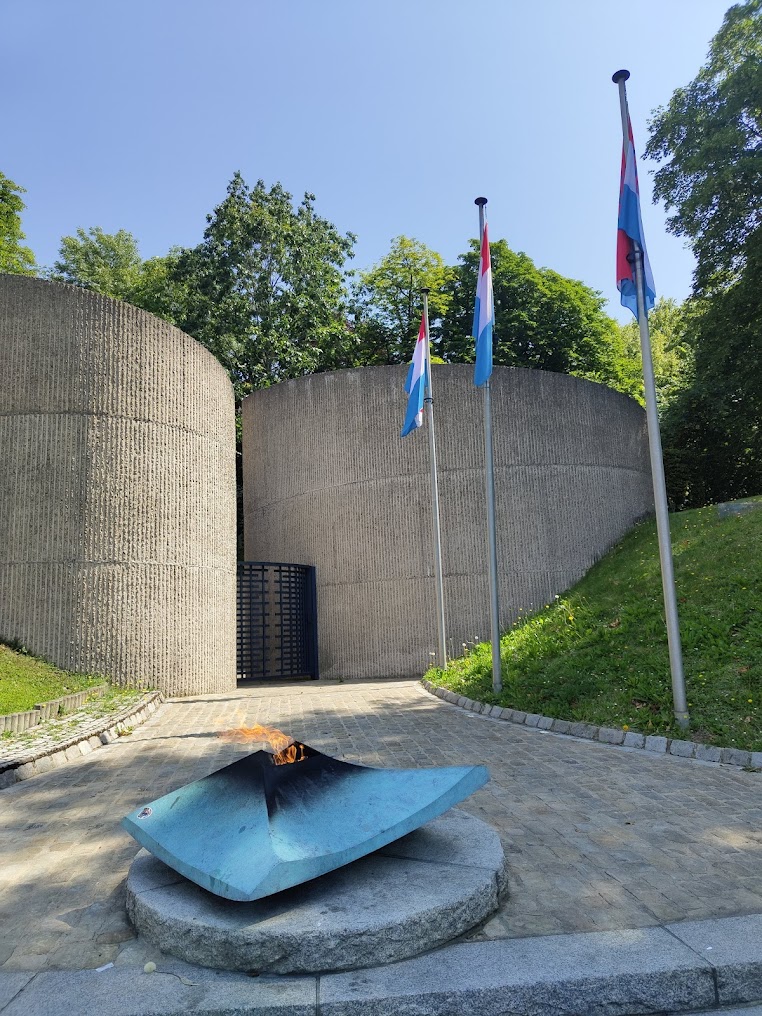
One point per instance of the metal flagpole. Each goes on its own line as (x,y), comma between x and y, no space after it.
(489,473)
(429,400)
(657,462)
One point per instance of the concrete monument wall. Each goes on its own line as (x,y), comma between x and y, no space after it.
(329,482)
(117,491)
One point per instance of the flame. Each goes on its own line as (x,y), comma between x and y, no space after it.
(284,748)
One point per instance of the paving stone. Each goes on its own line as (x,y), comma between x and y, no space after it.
(586,730)
(532,719)
(25,772)
(756,759)
(561,726)
(633,740)
(735,757)
(545,723)
(517,716)
(685,749)
(656,743)
(708,753)
(610,735)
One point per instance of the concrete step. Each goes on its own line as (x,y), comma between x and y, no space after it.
(691,968)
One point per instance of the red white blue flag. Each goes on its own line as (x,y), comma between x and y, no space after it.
(416,384)
(630,228)
(484,315)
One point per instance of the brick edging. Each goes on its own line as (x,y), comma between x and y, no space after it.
(604,735)
(18,722)
(97,735)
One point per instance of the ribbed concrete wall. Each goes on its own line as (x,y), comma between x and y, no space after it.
(117,491)
(329,482)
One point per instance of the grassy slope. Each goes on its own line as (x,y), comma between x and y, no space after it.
(599,652)
(25,681)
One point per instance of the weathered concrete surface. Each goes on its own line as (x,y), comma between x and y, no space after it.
(734,946)
(117,492)
(329,482)
(439,882)
(173,991)
(579,975)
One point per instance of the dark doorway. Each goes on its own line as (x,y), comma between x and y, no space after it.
(277,621)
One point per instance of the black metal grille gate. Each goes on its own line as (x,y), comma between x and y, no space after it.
(277,620)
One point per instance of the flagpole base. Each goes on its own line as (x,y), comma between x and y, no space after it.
(683,720)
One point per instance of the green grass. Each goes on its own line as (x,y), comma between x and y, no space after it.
(26,680)
(598,653)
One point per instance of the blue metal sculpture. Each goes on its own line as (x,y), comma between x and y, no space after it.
(273,820)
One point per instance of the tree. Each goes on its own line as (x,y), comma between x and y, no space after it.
(15,258)
(107,263)
(672,352)
(542,320)
(264,289)
(387,301)
(709,139)
(713,429)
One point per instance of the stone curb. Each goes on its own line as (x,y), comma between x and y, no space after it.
(604,735)
(18,722)
(691,967)
(100,732)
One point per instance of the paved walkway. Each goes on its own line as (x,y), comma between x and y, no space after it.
(597,837)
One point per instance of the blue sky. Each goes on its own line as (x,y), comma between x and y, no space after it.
(395,114)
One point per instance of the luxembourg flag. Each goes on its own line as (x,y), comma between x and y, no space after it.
(484,316)
(630,227)
(416,384)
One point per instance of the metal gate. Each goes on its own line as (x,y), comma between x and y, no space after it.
(277,620)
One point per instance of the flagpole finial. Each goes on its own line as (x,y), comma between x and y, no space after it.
(620,76)
(425,290)
(480,202)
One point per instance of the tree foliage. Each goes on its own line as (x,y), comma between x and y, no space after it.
(387,301)
(671,350)
(107,263)
(542,320)
(713,429)
(15,258)
(709,141)
(264,289)
(709,138)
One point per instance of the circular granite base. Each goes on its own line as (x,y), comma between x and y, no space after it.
(417,893)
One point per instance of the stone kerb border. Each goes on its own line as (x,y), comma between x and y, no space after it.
(605,735)
(92,735)
(19,722)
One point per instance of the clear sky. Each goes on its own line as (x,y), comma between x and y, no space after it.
(395,114)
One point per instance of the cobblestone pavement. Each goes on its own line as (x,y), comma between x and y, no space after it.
(598,837)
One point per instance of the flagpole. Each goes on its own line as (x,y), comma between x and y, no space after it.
(428,398)
(657,462)
(489,474)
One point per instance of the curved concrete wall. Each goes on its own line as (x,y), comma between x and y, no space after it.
(117,491)
(329,482)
